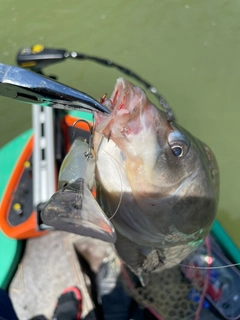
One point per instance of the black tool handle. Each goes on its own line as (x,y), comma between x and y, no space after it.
(38,57)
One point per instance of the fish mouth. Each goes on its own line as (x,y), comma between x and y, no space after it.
(125,97)
(116,101)
(118,97)
(126,103)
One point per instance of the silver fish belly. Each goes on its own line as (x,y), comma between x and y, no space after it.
(159,181)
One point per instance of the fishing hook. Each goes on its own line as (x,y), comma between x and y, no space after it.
(88,154)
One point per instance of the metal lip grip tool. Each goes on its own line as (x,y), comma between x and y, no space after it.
(30,87)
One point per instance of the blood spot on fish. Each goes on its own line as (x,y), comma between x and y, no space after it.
(153,204)
(121,105)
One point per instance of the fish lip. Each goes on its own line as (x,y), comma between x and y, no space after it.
(116,98)
(132,113)
(119,89)
(104,120)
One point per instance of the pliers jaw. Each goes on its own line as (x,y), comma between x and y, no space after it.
(30,87)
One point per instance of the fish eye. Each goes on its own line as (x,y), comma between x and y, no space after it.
(178,143)
(177,150)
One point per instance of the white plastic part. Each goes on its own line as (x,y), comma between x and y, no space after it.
(44,175)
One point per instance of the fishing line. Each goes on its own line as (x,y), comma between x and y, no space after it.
(204,268)
(121,184)
(208,268)
(206,282)
(109,63)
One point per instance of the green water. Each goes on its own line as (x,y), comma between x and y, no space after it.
(190,50)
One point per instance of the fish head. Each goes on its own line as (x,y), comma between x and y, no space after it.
(171,175)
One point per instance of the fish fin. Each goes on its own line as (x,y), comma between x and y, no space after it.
(75,210)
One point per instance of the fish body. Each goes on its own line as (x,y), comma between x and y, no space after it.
(160,182)
(157,185)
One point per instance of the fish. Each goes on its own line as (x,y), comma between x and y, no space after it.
(157,185)
(167,180)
